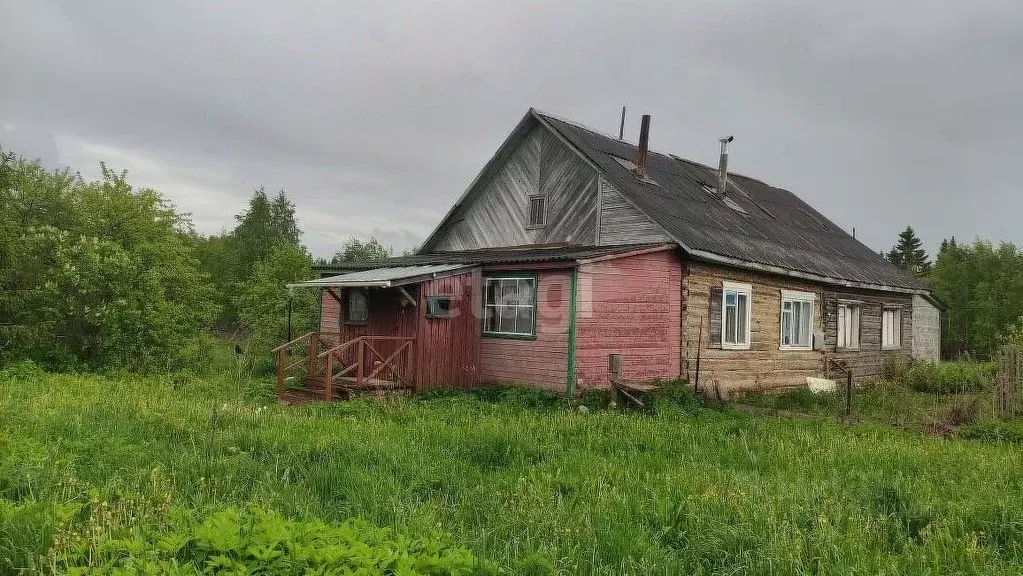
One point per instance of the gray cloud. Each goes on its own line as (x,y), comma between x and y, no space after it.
(375,116)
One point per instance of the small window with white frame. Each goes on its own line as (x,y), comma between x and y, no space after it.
(796,320)
(537,211)
(891,327)
(736,302)
(848,326)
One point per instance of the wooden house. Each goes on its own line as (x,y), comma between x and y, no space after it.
(575,258)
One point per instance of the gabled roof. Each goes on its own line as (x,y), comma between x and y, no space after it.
(775,231)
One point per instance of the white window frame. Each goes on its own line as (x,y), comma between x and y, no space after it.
(801,297)
(737,288)
(546,210)
(857,318)
(896,329)
(493,309)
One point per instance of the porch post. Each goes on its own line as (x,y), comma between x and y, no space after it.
(328,379)
(570,377)
(289,314)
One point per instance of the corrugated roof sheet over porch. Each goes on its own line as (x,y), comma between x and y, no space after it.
(385,277)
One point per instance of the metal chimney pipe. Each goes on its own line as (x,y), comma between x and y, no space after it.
(723,167)
(644,137)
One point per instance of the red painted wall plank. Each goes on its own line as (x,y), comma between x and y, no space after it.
(629,306)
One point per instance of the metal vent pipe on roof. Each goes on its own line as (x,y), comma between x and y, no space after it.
(644,137)
(723,167)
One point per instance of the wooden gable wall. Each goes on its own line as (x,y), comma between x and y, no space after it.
(496,214)
(622,223)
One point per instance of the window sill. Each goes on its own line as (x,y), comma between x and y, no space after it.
(796,348)
(509,336)
(735,346)
(439,317)
(847,349)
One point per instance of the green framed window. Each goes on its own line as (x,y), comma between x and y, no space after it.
(509,305)
(439,307)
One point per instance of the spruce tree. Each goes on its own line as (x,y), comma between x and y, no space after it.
(909,254)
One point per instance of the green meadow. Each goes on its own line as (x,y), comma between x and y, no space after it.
(188,474)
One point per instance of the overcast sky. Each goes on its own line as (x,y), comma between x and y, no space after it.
(375,116)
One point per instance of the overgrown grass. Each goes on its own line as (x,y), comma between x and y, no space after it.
(524,485)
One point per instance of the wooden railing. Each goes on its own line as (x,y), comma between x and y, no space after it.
(302,352)
(361,359)
(366,361)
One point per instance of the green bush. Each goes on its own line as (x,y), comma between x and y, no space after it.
(257,541)
(949,377)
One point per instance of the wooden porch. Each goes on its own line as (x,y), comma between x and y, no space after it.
(327,366)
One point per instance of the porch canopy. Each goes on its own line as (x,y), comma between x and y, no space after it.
(387,277)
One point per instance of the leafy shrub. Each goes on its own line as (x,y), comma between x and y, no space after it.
(949,377)
(895,368)
(24,371)
(996,431)
(595,398)
(963,412)
(679,393)
(254,540)
(903,512)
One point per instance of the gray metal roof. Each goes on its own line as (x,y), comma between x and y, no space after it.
(383,277)
(483,256)
(775,231)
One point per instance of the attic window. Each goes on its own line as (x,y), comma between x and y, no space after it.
(537,211)
(726,199)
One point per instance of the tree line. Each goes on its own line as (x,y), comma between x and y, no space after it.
(100,274)
(981,285)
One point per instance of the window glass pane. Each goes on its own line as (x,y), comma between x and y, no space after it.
(742,335)
(507,319)
(730,298)
(854,327)
(524,323)
(357,307)
(488,319)
(730,323)
(805,326)
(491,297)
(526,291)
(786,327)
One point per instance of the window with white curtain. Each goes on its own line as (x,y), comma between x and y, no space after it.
(735,311)
(796,320)
(510,306)
(848,326)
(891,328)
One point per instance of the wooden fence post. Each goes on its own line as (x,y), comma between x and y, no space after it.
(848,391)
(313,341)
(359,358)
(280,372)
(328,379)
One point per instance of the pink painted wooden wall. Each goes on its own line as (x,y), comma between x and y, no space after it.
(629,306)
(542,362)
